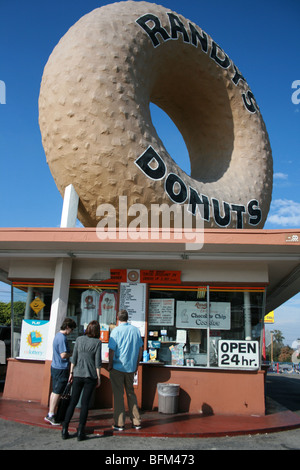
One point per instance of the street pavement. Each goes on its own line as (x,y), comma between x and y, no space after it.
(284,389)
(16,436)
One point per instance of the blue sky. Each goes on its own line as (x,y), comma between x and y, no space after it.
(261,37)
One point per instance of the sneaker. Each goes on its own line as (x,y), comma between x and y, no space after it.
(118,428)
(136,426)
(51,420)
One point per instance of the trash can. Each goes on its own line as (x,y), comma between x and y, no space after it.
(168,398)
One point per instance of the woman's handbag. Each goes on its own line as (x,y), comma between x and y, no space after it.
(63,403)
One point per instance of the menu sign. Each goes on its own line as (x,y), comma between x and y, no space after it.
(193,314)
(161,312)
(133,299)
(150,276)
(153,276)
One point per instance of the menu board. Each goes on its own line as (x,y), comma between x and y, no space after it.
(133,299)
(161,312)
(192,314)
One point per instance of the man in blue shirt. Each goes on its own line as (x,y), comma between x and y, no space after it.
(125,352)
(59,366)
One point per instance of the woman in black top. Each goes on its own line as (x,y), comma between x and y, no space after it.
(84,375)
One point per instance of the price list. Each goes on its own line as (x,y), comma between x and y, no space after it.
(133,299)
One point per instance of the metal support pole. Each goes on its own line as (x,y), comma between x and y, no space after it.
(247,315)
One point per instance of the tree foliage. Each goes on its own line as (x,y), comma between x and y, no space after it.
(285,354)
(5,313)
(281,352)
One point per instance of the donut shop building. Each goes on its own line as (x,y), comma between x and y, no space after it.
(200,312)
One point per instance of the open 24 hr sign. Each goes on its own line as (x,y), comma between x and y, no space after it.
(239,354)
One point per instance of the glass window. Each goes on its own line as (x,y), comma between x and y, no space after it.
(30,302)
(86,302)
(185,323)
(246,316)
(177,335)
(93,302)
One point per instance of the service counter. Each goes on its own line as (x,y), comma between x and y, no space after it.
(208,391)
(206,338)
(24,380)
(202,390)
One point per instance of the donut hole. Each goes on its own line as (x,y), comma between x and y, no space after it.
(193,93)
(171,138)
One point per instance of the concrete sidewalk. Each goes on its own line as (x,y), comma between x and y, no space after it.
(155,424)
(281,391)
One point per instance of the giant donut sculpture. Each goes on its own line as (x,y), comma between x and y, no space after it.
(97,130)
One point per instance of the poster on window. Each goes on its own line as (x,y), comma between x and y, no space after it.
(133,299)
(161,312)
(34,335)
(191,314)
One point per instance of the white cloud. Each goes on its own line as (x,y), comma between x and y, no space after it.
(280,176)
(285,213)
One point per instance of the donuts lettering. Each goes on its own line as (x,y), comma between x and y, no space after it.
(196,36)
(194,199)
(98,134)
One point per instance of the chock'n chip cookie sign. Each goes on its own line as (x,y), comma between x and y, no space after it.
(97,130)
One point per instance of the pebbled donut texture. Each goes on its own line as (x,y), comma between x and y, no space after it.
(97,130)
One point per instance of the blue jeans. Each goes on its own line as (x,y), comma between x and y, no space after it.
(88,385)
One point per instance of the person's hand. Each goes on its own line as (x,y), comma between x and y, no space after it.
(70,378)
(98,382)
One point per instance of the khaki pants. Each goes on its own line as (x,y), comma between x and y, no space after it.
(119,380)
